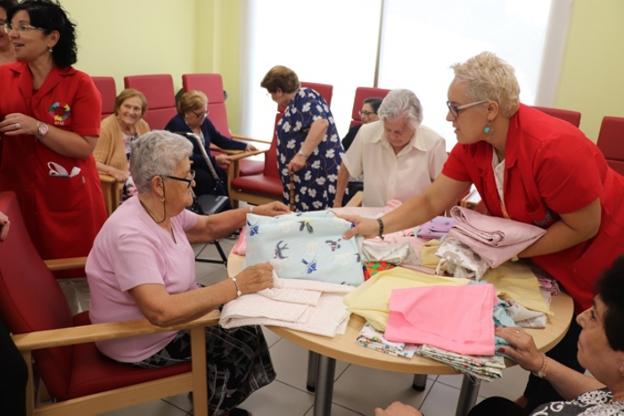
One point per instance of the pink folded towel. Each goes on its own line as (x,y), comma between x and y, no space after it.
(454,318)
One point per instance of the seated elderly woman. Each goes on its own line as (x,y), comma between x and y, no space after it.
(601,352)
(193,118)
(117,131)
(142,266)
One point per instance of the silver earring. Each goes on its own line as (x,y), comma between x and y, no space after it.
(50,50)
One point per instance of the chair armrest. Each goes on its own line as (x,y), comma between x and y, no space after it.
(107,178)
(356,200)
(98,332)
(245,154)
(249,139)
(65,264)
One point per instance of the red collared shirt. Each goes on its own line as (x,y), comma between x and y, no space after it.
(551,168)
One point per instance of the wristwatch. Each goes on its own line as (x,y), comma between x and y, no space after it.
(42,130)
(300,152)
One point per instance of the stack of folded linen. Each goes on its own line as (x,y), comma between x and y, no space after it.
(486,368)
(370,338)
(304,305)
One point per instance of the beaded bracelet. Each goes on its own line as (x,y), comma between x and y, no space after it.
(238,291)
(381,228)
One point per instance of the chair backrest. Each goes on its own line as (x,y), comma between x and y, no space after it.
(362,93)
(325,90)
(158,90)
(270,157)
(31,299)
(573,117)
(212,86)
(611,142)
(108,91)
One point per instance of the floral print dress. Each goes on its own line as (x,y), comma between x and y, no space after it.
(315,184)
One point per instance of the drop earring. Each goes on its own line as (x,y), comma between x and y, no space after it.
(50,50)
(487,130)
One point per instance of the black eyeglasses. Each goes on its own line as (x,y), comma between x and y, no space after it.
(455,109)
(366,113)
(188,181)
(200,114)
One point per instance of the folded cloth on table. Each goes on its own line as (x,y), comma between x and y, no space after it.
(372,339)
(454,318)
(306,245)
(379,250)
(371,268)
(457,259)
(308,306)
(484,368)
(524,317)
(436,228)
(495,239)
(370,299)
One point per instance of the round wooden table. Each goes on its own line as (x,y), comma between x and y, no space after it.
(344,348)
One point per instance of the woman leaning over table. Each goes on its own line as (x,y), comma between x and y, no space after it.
(532,168)
(308,147)
(142,265)
(117,131)
(50,116)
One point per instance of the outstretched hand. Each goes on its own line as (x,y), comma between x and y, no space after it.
(271,209)
(366,227)
(521,348)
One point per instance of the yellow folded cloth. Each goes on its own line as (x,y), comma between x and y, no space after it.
(428,257)
(370,299)
(517,281)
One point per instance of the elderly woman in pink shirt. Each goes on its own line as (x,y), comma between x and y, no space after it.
(142,266)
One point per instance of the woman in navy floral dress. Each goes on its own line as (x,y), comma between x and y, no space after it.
(308,147)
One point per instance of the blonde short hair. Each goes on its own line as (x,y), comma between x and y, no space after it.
(490,78)
(130,93)
(192,100)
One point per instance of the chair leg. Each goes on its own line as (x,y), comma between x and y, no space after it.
(219,250)
(313,365)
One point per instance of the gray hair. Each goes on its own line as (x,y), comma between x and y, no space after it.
(488,77)
(156,153)
(399,103)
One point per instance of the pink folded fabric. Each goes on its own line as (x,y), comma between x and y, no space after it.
(454,318)
(495,239)
(240,247)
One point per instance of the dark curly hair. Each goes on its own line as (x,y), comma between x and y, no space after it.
(611,290)
(50,16)
(280,78)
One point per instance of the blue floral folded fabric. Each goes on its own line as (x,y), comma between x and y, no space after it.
(306,245)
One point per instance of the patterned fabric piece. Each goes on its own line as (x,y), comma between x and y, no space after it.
(371,268)
(237,363)
(315,184)
(305,245)
(592,403)
(487,368)
(371,338)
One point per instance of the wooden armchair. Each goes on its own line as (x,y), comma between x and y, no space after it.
(111,189)
(80,379)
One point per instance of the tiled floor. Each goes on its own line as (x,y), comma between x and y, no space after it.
(357,390)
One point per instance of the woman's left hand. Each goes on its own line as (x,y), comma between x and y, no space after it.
(250,148)
(18,123)
(271,209)
(521,348)
(223,161)
(296,163)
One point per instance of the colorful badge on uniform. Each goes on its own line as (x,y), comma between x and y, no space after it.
(59,112)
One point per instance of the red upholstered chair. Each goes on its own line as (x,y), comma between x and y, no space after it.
(611,142)
(267,186)
(573,117)
(79,379)
(111,189)
(108,91)
(362,93)
(158,90)
(212,86)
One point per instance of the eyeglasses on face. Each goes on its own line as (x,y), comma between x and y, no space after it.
(366,113)
(455,109)
(20,27)
(189,181)
(200,114)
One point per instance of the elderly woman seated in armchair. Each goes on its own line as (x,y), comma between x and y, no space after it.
(142,266)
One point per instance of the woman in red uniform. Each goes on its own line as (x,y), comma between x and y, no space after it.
(529,167)
(49,122)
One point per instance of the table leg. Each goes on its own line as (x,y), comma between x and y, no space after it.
(467,395)
(324,386)
(313,364)
(420,382)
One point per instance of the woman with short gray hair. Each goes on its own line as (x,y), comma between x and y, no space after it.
(399,103)
(532,168)
(142,265)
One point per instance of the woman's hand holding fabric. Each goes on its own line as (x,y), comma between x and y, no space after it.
(271,209)
(521,348)
(18,123)
(366,227)
(255,278)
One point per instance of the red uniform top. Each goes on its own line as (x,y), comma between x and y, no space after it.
(551,168)
(63,214)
